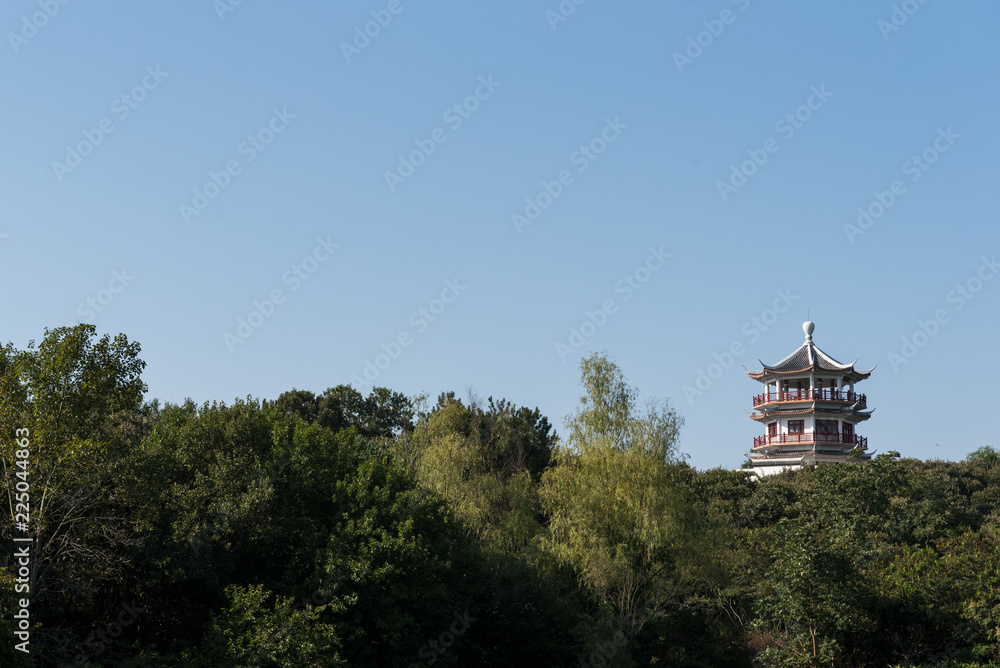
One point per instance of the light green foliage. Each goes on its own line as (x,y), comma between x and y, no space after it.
(617,512)
(608,416)
(985,455)
(485,462)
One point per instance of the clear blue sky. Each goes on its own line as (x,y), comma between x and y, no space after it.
(199,81)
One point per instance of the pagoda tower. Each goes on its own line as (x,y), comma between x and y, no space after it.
(809,410)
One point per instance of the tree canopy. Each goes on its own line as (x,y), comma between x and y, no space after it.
(338,529)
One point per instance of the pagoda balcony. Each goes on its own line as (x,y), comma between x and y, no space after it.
(811,438)
(825,394)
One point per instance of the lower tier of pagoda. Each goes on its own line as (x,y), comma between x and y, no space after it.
(765,463)
(852,440)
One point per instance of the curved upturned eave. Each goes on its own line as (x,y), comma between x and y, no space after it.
(857,415)
(808,358)
(770,372)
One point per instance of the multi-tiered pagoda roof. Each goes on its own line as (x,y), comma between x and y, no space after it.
(809,410)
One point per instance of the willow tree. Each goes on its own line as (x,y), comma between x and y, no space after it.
(618,512)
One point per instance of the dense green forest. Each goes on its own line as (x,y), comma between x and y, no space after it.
(338,529)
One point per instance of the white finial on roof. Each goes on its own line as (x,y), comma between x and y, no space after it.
(809,327)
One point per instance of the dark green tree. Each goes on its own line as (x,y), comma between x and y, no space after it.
(382,414)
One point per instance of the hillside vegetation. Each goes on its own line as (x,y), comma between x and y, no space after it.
(342,529)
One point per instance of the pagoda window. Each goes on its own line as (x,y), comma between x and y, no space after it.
(772,429)
(826,430)
(796,426)
(848,432)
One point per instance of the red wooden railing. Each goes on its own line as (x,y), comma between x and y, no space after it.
(781,439)
(825,394)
